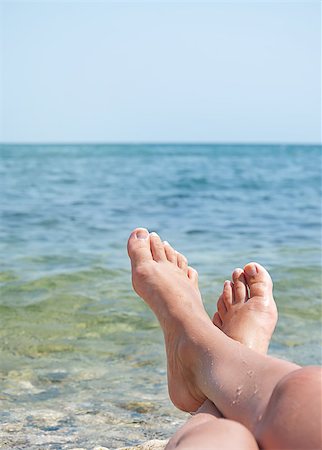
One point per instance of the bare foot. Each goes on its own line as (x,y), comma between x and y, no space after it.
(246,310)
(162,277)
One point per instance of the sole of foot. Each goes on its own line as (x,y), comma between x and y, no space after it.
(162,278)
(246,310)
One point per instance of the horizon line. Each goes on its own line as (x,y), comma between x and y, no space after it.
(165,143)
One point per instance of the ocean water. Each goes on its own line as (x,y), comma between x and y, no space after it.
(82,359)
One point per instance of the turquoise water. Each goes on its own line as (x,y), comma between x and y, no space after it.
(82,359)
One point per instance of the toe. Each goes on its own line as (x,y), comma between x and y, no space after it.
(217,320)
(228,293)
(138,246)
(157,247)
(182,262)
(170,252)
(221,307)
(240,286)
(193,275)
(259,282)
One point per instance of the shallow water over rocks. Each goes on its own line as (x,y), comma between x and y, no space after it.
(82,359)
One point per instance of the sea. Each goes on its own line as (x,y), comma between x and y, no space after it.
(82,361)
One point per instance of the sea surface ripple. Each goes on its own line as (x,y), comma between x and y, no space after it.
(82,359)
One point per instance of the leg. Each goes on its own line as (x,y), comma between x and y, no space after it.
(208,430)
(251,320)
(202,360)
(293,417)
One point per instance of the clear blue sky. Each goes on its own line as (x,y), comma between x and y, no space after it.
(160,71)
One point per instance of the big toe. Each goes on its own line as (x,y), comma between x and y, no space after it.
(259,281)
(138,246)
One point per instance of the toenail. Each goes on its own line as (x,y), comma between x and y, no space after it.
(154,234)
(251,270)
(142,234)
(166,243)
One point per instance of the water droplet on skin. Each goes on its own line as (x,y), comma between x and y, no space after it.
(250,373)
(238,393)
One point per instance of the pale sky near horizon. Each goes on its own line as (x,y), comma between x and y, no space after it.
(168,71)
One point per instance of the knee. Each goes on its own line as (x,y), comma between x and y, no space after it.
(292,419)
(209,433)
(298,386)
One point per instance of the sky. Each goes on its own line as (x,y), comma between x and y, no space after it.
(152,71)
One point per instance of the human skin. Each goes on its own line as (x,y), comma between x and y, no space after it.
(204,363)
(208,430)
(249,316)
(246,310)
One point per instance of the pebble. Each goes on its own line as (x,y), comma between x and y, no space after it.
(155,444)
